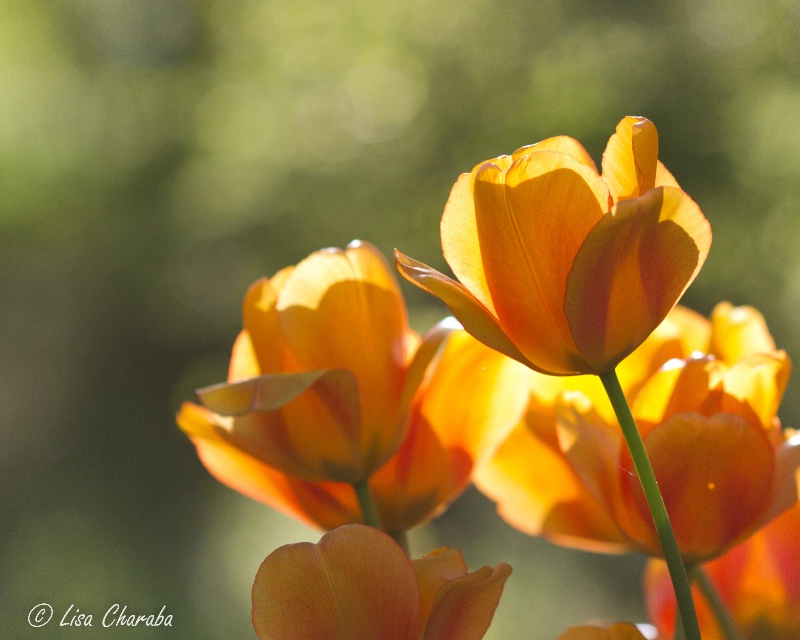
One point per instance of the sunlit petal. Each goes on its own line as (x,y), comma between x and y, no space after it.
(739,332)
(539,213)
(631,270)
(629,161)
(562,144)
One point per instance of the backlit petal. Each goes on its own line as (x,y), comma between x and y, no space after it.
(355,584)
(459,236)
(433,571)
(739,332)
(631,270)
(629,161)
(344,309)
(562,144)
(323,505)
(618,631)
(467,309)
(711,501)
(531,223)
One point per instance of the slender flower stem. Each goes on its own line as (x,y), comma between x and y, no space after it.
(368,512)
(726,623)
(677,570)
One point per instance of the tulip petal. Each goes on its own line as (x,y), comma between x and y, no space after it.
(464,607)
(631,270)
(459,237)
(630,159)
(424,355)
(244,361)
(786,490)
(344,309)
(355,584)
(467,309)
(711,502)
(433,571)
(260,320)
(562,144)
(739,332)
(336,388)
(531,222)
(325,505)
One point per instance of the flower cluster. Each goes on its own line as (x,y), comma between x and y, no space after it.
(571,390)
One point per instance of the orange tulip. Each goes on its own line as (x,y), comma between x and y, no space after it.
(758,580)
(258,453)
(565,473)
(617,631)
(322,374)
(358,584)
(559,267)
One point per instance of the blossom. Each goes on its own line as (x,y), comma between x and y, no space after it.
(358,584)
(707,416)
(758,580)
(258,453)
(560,267)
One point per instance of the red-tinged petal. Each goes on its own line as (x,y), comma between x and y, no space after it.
(531,223)
(630,159)
(681,386)
(739,332)
(344,309)
(459,236)
(325,505)
(711,501)
(433,571)
(464,607)
(618,631)
(562,144)
(355,584)
(630,272)
(467,309)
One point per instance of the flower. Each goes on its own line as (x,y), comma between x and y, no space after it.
(559,267)
(565,473)
(758,581)
(323,371)
(358,584)
(258,453)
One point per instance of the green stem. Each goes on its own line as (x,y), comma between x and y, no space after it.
(368,512)
(720,611)
(672,555)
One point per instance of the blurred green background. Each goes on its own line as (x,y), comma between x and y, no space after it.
(157,156)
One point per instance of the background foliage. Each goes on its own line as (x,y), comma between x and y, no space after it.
(157,156)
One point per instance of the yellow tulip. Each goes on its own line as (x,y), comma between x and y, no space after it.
(560,267)
(358,584)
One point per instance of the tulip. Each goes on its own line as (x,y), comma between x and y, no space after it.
(564,472)
(260,453)
(324,369)
(358,584)
(758,582)
(560,267)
